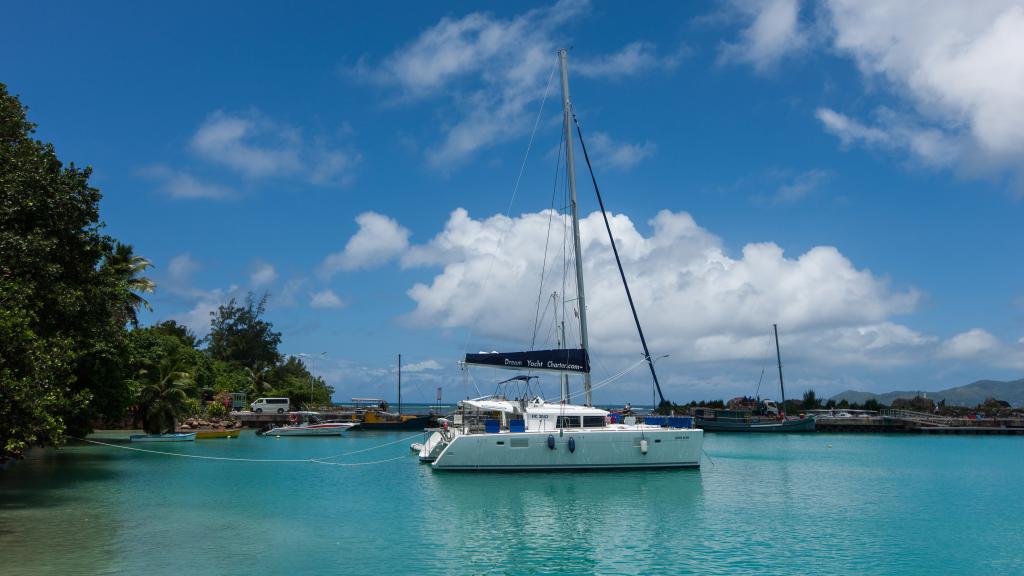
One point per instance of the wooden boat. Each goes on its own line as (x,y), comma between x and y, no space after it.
(217,433)
(176,437)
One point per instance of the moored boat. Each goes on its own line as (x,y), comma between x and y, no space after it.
(710,421)
(217,433)
(517,429)
(307,424)
(373,414)
(176,437)
(772,417)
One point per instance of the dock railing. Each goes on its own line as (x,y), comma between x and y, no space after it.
(923,417)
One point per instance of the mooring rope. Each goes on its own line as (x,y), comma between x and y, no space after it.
(323,460)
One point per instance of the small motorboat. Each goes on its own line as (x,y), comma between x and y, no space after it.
(307,424)
(217,433)
(177,437)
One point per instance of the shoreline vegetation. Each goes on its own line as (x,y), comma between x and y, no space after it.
(990,408)
(72,353)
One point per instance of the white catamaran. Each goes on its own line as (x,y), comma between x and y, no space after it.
(516,429)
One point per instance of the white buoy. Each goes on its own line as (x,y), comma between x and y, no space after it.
(643,446)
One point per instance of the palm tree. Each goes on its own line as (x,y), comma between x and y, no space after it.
(163,399)
(128,267)
(258,376)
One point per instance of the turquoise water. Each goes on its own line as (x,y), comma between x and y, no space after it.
(767,505)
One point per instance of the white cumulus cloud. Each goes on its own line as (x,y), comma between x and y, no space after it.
(423,366)
(957,65)
(773,32)
(180,184)
(258,147)
(494,71)
(326,299)
(378,240)
(618,155)
(262,275)
(695,300)
(970,345)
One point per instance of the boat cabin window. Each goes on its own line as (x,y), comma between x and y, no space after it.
(568,421)
(593,421)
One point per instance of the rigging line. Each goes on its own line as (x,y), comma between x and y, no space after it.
(610,379)
(618,261)
(515,191)
(547,240)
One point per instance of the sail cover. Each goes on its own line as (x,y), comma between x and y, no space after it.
(570,360)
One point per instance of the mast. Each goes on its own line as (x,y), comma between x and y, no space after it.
(399,384)
(571,167)
(778,357)
(565,377)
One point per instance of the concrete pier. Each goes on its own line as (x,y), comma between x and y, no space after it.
(905,421)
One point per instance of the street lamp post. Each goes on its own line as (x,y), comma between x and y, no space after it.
(313,358)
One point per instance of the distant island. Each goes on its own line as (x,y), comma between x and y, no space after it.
(971,394)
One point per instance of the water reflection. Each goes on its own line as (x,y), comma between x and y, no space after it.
(556,521)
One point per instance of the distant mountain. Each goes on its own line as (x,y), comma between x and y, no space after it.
(967,395)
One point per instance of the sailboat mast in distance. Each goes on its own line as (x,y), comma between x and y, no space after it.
(778,357)
(399,383)
(571,177)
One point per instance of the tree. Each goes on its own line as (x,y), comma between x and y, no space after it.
(291,379)
(61,350)
(127,268)
(811,401)
(163,397)
(179,331)
(239,334)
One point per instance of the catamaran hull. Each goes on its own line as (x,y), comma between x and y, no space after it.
(582,450)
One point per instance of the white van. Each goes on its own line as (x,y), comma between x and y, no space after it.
(278,405)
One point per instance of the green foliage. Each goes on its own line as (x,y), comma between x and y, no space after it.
(811,401)
(153,345)
(192,408)
(229,377)
(291,379)
(239,334)
(179,331)
(63,346)
(164,397)
(216,410)
(126,267)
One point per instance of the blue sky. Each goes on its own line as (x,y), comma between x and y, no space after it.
(850,170)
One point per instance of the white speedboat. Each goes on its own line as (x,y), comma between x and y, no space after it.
(177,437)
(307,424)
(516,429)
